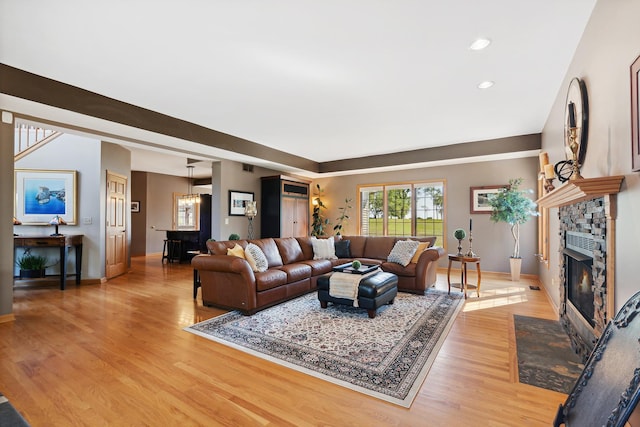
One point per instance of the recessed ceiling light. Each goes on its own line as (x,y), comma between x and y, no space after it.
(485,85)
(480,44)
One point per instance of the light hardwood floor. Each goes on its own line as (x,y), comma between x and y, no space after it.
(115,354)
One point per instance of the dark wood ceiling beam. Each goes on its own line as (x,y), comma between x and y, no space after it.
(26,85)
(512,144)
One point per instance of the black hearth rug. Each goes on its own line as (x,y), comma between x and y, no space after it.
(545,357)
(9,417)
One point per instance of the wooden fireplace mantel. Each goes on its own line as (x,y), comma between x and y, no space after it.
(581,189)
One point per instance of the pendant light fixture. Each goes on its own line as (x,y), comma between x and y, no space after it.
(191,197)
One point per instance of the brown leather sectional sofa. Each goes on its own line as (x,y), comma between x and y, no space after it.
(227,281)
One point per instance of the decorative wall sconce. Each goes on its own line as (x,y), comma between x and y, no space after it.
(547,172)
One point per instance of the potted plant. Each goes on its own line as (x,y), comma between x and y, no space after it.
(32,266)
(343,218)
(512,206)
(319,223)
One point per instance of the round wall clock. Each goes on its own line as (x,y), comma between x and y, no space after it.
(577,96)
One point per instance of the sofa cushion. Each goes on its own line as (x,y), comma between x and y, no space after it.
(290,250)
(343,248)
(378,247)
(421,247)
(256,258)
(403,251)
(323,248)
(305,245)
(237,250)
(296,271)
(270,250)
(270,279)
(319,266)
(356,246)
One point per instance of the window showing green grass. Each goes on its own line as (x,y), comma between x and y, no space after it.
(406,209)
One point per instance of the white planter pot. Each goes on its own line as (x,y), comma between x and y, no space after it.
(516,264)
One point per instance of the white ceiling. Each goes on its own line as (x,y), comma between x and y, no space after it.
(323,80)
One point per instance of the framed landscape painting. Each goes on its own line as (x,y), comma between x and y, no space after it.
(43,194)
(480,197)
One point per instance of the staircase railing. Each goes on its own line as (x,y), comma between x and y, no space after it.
(29,138)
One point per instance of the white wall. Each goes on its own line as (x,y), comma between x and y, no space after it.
(86,161)
(609,46)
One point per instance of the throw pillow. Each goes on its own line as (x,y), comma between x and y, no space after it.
(323,248)
(236,251)
(403,251)
(421,247)
(343,249)
(256,258)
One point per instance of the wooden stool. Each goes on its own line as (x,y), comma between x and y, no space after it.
(463,267)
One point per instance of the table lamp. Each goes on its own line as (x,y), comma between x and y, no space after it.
(57,220)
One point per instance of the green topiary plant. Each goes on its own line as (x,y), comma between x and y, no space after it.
(459,234)
(511,205)
(234,236)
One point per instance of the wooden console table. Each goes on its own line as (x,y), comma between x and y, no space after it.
(63,242)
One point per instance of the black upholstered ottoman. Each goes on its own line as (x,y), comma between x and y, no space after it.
(373,292)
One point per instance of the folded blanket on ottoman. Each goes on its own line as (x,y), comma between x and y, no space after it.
(345,285)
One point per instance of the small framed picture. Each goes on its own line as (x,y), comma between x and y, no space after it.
(135,206)
(237,202)
(480,197)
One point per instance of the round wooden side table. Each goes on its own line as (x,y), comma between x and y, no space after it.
(464,260)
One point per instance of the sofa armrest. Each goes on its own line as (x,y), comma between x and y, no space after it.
(226,281)
(223,263)
(427,267)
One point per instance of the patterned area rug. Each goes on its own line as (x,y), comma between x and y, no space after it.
(387,357)
(545,357)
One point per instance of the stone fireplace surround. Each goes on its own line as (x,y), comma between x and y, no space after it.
(587,206)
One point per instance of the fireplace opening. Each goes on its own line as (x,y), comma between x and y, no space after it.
(579,284)
(578,255)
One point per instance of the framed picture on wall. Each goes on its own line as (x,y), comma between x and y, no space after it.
(135,206)
(480,197)
(237,202)
(635,115)
(43,194)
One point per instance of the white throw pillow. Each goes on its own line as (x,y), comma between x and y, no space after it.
(256,258)
(403,251)
(323,248)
